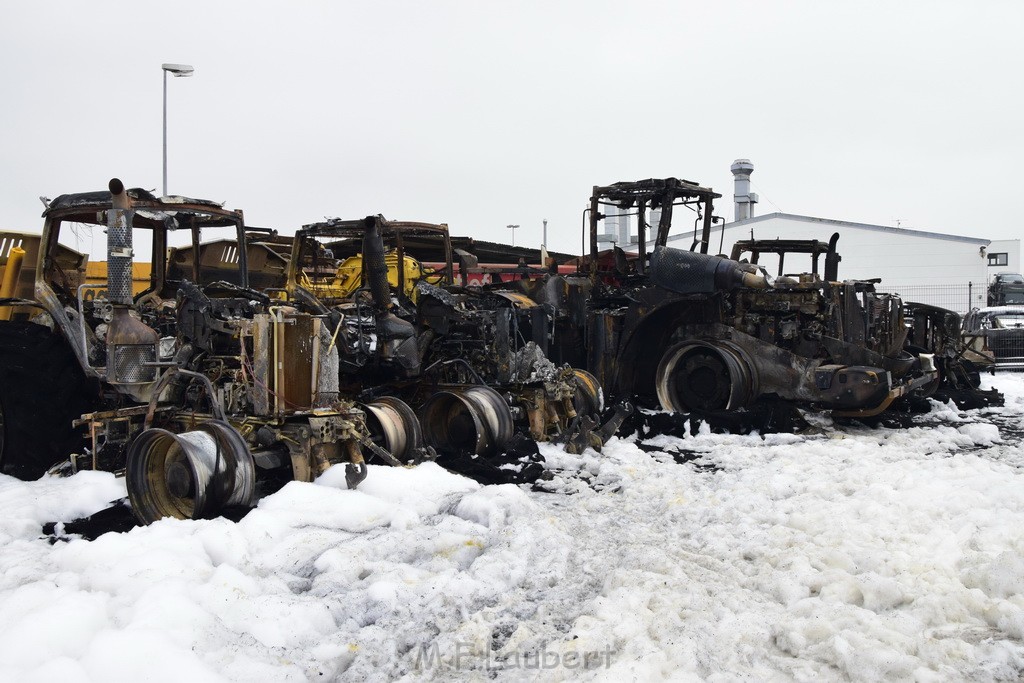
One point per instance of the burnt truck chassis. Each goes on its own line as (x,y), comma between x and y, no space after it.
(688,331)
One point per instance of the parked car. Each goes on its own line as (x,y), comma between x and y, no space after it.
(1006,289)
(997,332)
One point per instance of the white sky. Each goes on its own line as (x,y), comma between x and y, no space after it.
(482,114)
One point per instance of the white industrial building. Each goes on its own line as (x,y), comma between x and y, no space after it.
(928,267)
(1003,257)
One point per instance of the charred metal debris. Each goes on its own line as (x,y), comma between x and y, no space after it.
(207,392)
(691,332)
(464,358)
(238,360)
(202,391)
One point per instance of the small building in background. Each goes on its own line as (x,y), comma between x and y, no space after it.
(928,267)
(951,271)
(1003,257)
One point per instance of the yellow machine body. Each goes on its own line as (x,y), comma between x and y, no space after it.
(349,277)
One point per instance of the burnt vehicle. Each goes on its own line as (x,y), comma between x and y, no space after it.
(937,331)
(997,333)
(463,358)
(931,331)
(689,331)
(1006,289)
(202,391)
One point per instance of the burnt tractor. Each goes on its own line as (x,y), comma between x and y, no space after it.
(688,331)
(462,358)
(932,331)
(203,391)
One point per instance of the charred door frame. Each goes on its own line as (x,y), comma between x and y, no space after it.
(655,193)
(393,232)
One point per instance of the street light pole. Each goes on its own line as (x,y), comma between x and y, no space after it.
(513,229)
(179,71)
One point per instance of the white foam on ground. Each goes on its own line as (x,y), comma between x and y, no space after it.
(862,554)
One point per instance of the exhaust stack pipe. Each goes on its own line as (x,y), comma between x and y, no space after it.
(119,245)
(832,259)
(397,336)
(131,344)
(376,267)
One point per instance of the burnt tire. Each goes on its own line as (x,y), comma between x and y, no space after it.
(42,390)
(700,375)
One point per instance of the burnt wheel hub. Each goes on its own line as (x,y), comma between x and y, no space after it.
(703,381)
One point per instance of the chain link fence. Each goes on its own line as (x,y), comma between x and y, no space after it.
(960,298)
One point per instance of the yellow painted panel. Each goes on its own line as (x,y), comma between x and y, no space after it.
(96,274)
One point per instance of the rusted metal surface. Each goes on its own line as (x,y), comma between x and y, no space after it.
(294,378)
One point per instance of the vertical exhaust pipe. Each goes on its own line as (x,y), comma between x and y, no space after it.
(131,344)
(398,336)
(119,245)
(832,259)
(376,267)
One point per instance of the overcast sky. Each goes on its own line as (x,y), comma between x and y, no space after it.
(482,114)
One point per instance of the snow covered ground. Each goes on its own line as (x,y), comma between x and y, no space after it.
(862,554)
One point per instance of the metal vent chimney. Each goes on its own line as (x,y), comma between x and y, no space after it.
(744,198)
(617,227)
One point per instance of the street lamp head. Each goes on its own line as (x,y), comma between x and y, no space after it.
(178,70)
